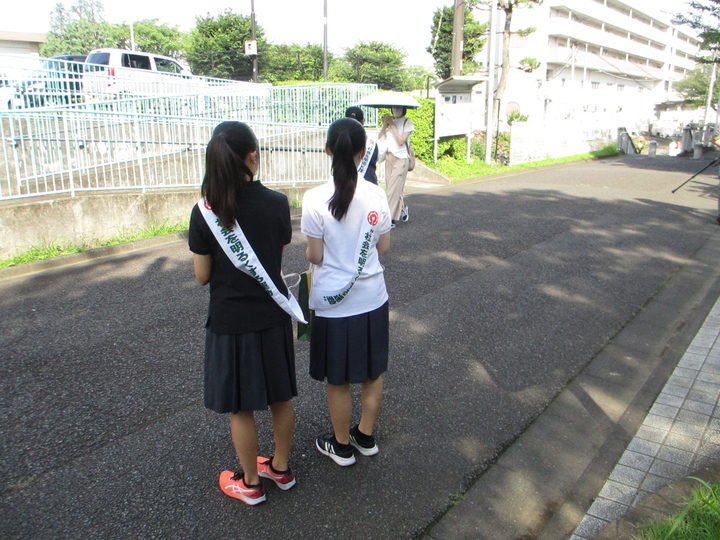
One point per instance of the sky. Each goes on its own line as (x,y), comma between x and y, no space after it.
(404,24)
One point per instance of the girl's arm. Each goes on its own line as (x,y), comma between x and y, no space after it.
(203,267)
(399,137)
(383,245)
(314,251)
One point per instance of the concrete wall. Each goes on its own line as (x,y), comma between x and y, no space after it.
(68,220)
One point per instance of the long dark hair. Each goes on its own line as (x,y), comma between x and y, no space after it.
(345,139)
(225,168)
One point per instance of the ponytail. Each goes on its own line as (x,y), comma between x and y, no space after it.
(346,138)
(225,169)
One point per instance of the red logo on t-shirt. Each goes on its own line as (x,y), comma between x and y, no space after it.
(373,218)
(207,205)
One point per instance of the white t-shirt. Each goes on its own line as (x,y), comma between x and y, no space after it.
(402,124)
(340,241)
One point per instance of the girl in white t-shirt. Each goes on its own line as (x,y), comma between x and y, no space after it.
(396,130)
(347,224)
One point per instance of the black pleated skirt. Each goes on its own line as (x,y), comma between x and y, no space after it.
(350,349)
(249,372)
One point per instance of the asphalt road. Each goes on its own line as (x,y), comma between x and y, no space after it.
(501,292)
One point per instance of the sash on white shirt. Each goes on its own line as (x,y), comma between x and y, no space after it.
(369,149)
(330,299)
(240,252)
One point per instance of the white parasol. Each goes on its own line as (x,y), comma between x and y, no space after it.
(389,99)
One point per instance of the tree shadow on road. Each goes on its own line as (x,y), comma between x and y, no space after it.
(498,300)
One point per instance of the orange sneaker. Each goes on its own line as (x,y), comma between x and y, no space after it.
(283,479)
(233,485)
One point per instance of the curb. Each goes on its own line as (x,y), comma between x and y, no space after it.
(664,504)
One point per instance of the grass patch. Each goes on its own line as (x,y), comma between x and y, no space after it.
(55,249)
(460,169)
(698,520)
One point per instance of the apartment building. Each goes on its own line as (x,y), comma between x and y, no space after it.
(603,62)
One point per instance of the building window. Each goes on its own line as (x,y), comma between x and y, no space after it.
(596,85)
(549,74)
(620,87)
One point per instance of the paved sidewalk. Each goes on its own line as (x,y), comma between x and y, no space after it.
(680,434)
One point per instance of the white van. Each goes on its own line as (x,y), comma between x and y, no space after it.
(119,71)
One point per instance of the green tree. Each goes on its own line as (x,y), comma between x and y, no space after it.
(418,78)
(442,37)
(77,30)
(216,46)
(150,36)
(293,63)
(695,86)
(371,62)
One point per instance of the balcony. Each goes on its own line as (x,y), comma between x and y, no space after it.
(594,62)
(598,12)
(593,36)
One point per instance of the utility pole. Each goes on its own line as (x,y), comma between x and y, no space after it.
(252,21)
(132,36)
(325,59)
(458,35)
(490,83)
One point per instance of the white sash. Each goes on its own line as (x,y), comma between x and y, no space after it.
(241,254)
(369,149)
(330,299)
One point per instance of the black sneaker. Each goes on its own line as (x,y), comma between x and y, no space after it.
(365,444)
(327,445)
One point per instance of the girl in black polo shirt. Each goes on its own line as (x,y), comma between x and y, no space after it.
(249,355)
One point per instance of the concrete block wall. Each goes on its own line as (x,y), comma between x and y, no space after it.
(36,222)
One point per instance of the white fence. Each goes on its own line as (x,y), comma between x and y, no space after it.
(537,141)
(95,143)
(75,150)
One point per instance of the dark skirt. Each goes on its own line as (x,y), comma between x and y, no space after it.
(248,372)
(350,349)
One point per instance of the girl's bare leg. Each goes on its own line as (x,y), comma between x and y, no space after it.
(245,441)
(283,418)
(371,399)
(340,404)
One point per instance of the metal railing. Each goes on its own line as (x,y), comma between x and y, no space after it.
(27,82)
(77,150)
(158,141)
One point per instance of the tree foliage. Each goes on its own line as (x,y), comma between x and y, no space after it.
(216,46)
(371,62)
(705,18)
(77,30)
(695,86)
(81,28)
(442,38)
(419,78)
(150,36)
(293,63)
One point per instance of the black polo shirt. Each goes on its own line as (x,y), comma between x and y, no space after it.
(238,303)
